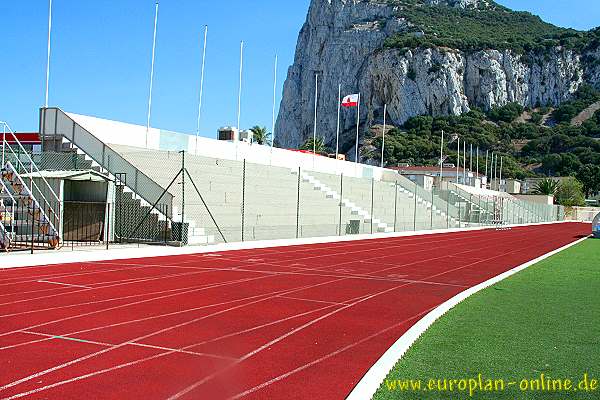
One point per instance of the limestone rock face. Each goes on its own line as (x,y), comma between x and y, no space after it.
(342,42)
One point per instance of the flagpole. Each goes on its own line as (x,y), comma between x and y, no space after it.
(152,74)
(477,161)
(337,134)
(458,160)
(487,156)
(239,110)
(383,142)
(464,162)
(49,49)
(500,178)
(315,119)
(357,130)
(492,171)
(274,102)
(471,162)
(441,158)
(494,163)
(471,158)
(201,85)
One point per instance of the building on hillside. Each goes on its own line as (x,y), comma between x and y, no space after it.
(449,174)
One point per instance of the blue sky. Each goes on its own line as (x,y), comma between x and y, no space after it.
(102,51)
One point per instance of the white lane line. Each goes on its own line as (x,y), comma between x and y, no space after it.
(333,303)
(248,355)
(276,340)
(199,383)
(308,269)
(64,284)
(179,292)
(368,385)
(48,260)
(323,358)
(91,355)
(103,344)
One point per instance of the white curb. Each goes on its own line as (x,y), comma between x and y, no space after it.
(368,385)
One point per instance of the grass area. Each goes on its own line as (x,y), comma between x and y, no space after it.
(545,319)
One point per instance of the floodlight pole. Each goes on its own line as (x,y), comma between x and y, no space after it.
(201,85)
(49,50)
(152,73)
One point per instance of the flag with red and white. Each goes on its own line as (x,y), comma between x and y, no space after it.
(350,100)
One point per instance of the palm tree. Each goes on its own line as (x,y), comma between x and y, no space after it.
(546,187)
(260,135)
(318,146)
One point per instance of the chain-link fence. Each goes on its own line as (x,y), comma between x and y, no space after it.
(217,200)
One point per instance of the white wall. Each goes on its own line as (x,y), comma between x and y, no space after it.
(114,132)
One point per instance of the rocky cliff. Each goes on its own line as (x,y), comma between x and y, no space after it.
(343,42)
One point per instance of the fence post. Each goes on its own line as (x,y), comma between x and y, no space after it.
(372,202)
(32,225)
(432,198)
(340,202)
(298,205)
(415,209)
(243,195)
(166,232)
(107,233)
(182,195)
(448,209)
(459,216)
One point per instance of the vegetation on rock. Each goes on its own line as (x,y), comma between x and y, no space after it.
(490,26)
(559,150)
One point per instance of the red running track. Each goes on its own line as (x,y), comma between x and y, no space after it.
(298,322)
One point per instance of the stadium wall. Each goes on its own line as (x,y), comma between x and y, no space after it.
(114,132)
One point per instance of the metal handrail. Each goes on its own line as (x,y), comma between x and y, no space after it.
(149,191)
(32,165)
(439,203)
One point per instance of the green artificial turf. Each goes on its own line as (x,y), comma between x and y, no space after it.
(543,320)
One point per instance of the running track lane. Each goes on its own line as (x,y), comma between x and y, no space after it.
(298,322)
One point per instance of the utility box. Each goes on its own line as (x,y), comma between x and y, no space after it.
(596,227)
(353,227)
(228,134)
(180,232)
(246,136)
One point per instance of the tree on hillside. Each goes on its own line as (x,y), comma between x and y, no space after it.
(319,145)
(589,176)
(570,193)
(546,187)
(507,113)
(261,136)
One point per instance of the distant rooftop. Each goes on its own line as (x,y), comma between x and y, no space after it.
(429,169)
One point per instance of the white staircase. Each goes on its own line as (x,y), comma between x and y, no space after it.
(354,209)
(427,204)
